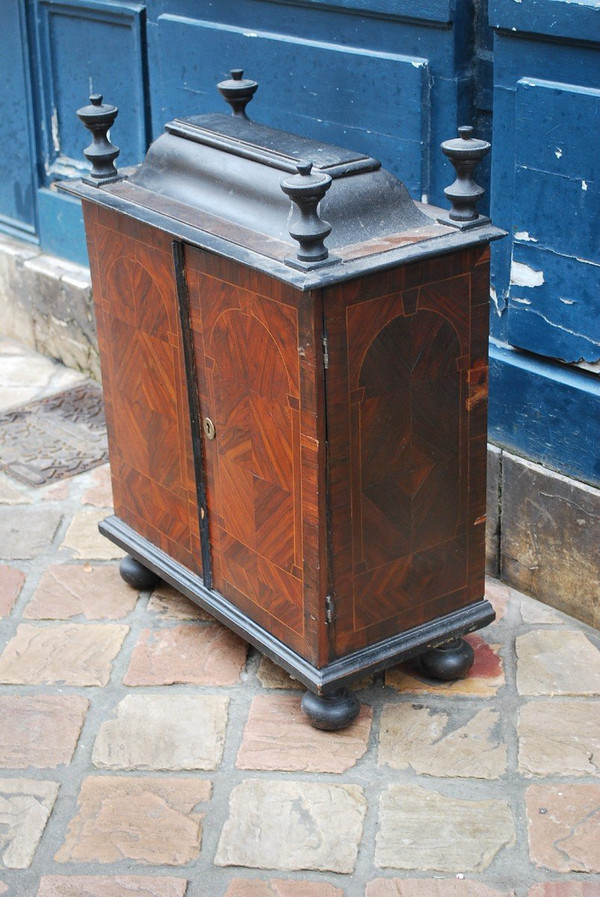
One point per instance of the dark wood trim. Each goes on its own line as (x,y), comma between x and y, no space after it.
(194,403)
(330,677)
(321,277)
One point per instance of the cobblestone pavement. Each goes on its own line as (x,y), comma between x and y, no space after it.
(146,750)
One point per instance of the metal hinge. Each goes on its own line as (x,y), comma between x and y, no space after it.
(325,352)
(329,609)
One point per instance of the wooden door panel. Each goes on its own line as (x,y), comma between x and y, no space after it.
(249,376)
(143,374)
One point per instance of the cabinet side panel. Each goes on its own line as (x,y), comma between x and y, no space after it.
(407,388)
(143,380)
(262,461)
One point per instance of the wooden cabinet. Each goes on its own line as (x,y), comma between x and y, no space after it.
(300,449)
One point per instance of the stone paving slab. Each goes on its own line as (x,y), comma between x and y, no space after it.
(565,889)
(159,732)
(417,887)
(424,829)
(39,730)
(198,655)
(240,887)
(105,886)
(564,827)
(560,738)
(99,491)
(63,653)
(25,375)
(147,820)
(424,739)
(293,825)
(171,605)
(26,531)
(557,662)
(92,592)
(11,583)
(11,493)
(277,737)
(25,807)
(84,540)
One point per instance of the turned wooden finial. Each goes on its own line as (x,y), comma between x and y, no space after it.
(238,91)
(306,190)
(98,118)
(465,152)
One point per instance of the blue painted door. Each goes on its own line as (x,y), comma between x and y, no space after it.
(391,78)
(545,388)
(17,167)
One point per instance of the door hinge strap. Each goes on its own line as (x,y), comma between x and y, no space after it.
(325,352)
(329,609)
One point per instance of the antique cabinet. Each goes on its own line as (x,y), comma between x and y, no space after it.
(297,430)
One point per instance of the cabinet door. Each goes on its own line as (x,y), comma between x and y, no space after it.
(406,421)
(260,447)
(143,377)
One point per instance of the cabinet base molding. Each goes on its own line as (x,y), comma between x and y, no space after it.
(328,679)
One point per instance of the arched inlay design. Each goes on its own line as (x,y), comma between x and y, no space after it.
(409,438)
(254,458)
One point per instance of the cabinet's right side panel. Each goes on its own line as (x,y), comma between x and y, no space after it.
(407,388)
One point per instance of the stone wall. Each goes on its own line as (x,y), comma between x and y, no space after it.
(543,534)
(46,303)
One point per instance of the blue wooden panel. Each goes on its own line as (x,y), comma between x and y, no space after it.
(545,192)
(376,103)
(428,10)
(61,226)
(83,47)
(446,49)
(553,308)
(89,46)
(17,183)
(547,412)
(517,60)
(558,126)
(575,19)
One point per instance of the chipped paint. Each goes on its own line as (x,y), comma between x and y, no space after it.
(521,301)
(250,34)
(524,237)
(496,304)
(558,152)
(524,276)
(564,329)
(584,185)
(55,131)
(566,301)
(592,367)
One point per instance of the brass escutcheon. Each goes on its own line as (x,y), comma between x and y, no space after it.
(209,428)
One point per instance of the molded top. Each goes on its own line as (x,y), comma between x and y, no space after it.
(216,181)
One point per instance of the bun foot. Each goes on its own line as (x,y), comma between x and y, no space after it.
(450,661)
(331,712)
(136,575)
